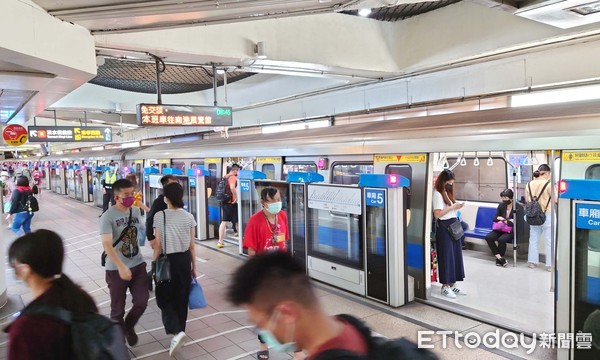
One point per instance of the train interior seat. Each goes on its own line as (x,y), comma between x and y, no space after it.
(479,216)
(483,223)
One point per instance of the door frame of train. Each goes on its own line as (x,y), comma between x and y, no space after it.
(417,251)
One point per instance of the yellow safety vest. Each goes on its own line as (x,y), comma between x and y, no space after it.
(110,179)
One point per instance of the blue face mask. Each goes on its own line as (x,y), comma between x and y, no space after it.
(271,341)
(274,208)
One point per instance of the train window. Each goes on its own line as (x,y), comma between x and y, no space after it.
(593,172)
(298,167)
(269,170)
(348,173)
(196,164)
(178,165)
(480,183)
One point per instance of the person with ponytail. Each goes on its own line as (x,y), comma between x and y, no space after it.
(37,259)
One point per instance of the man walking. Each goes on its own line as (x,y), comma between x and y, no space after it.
(125,267)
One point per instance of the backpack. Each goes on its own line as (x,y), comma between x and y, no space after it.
(223,193)
(30,205)
(379,348)
(94,337)
(533,210)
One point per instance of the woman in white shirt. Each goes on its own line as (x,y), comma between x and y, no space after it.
(449,250)
(174,231)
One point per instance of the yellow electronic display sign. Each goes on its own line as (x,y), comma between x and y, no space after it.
(268,160)
(212,160)
(400,158)
(583,156)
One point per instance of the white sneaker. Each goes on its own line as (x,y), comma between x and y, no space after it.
(176,343)
(447,291)
(458,291)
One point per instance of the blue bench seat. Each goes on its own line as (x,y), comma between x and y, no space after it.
(483,223)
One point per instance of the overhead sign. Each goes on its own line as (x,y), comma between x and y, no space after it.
(70,134)
(581,156)
(402,158)
(588,216)
(183,115)
(15,135)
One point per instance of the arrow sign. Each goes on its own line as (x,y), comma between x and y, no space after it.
(34,133)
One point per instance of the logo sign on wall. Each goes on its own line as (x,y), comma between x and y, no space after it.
(15,135)
(183,115)
(70,134)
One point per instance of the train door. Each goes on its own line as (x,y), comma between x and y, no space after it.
(215,169)
(271,166)
(414,168)
(578,255)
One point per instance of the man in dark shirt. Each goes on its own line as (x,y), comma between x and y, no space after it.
(282,303)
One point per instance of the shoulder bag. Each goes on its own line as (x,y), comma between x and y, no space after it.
(162,274)
(455,229)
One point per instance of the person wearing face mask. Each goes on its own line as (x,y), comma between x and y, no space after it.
(175,231)
(109,178)
(503,232)
(281,301)
(449,251)
(37,260)
(267,231)
(125,267)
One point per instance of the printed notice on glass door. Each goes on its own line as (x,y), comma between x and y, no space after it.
(332,198)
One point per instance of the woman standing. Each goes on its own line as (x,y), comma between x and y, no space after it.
(22,216)
(37,260)
(449,250)
(174,231)
(503,227)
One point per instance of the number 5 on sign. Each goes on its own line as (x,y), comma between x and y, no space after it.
(375,197)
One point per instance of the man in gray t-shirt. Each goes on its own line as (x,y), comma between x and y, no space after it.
(125,267)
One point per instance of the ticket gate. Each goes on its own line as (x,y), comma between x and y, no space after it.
(97,188)
(198,178)
(248,197)
(298,184)
(578,268)
(357,237)
(150,193)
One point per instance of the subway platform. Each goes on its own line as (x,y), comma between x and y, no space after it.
(222,331)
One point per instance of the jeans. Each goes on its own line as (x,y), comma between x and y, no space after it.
(535,232)
(22,219)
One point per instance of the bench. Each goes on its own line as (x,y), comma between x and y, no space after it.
(483,223)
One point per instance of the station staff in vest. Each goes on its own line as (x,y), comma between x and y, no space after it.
(109,178)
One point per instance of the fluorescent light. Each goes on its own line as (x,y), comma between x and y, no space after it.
(98,148)
(130,145)
(556,96)
(296,126)
(364,12)
(59,153)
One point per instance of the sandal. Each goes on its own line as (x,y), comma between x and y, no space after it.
(263,355)
(220,245)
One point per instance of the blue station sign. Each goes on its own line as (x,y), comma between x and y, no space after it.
(245,185)
(588,216)
(375,197)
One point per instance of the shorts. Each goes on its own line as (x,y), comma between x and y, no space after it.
(230,212)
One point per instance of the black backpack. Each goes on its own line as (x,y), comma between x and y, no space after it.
(533,210)
(95,337)
(379,348)
(223,193)
(30,204)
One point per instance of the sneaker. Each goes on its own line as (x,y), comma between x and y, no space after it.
(531,265)
(176,343)
(447,291)
(132,338)
(504,262)
(498,262)
(458,291)
(220,245)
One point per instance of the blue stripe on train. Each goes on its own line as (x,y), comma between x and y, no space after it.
(414,256)
(214,214)
(593,290)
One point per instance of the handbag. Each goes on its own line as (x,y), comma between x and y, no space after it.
(455,229)
(196,299)
(162,273)
(502,227)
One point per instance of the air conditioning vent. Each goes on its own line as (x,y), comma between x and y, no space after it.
(563,14)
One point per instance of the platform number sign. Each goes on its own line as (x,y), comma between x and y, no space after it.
(375,197)
(245,185)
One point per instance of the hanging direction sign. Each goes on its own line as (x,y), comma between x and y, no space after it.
(70,134)
(183,115)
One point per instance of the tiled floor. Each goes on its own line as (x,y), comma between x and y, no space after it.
(222,331)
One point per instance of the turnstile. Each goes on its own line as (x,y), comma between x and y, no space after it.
(578,269)
(356,237)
